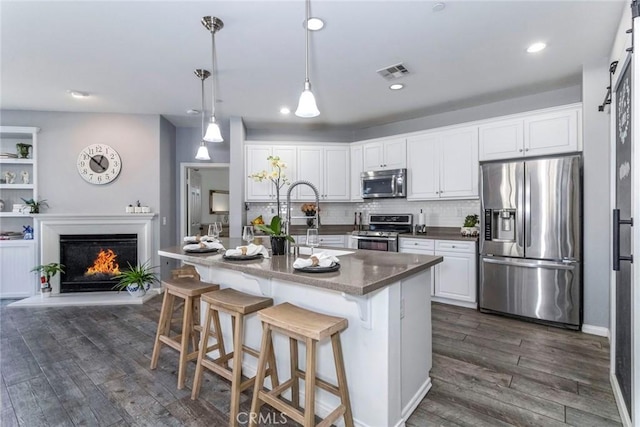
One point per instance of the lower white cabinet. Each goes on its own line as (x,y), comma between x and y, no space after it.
(17,258)
(455,278)
(332,240)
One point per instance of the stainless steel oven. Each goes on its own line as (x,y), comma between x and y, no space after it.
(383,232)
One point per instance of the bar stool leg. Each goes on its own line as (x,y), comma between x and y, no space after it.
(204,342)
(342,379)
(273,369)
(218,330)
(295,386)
(195,328)
(310,385)
(184,344)
(165,319)
(238,338)
(256,403)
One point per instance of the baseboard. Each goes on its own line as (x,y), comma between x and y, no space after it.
(416,399)
(601,331)
(617,393)
(466,304)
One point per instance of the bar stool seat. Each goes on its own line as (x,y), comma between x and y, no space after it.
(237,304)
(184,284)
(300,324)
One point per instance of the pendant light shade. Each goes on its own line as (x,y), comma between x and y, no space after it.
(203,152)
(307,104)
(214,25)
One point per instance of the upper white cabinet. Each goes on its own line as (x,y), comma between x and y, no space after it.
(443,165)
(357,167)
(327,168)
(256,161)
(385,154)
(553,131)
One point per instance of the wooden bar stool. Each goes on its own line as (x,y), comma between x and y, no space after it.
(238,305)
(184,284)
(309,327)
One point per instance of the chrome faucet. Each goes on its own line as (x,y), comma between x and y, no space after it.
(287,221)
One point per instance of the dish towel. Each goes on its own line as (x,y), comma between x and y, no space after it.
(249,250)
(200,239)
(203,245)
(320,259)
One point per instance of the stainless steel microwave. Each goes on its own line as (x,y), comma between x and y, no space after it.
(383,184)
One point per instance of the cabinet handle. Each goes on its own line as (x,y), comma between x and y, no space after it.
(526,149)
(520,150)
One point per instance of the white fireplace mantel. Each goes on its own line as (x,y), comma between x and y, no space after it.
(49,227)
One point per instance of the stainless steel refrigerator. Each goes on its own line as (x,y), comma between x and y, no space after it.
(531,240)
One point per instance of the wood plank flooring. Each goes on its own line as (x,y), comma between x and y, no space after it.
(89,366)
(494,371)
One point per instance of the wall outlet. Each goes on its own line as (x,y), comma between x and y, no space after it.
(164,220)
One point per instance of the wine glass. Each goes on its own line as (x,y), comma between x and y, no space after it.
(247,234)
(218,229)
(212,230)
(313,240)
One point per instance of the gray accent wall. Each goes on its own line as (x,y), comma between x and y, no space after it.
(237,177)
(168,199)
(597,193)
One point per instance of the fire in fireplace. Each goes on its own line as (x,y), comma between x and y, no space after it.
(92,261)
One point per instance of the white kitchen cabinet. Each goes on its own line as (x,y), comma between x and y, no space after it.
(456,275)
(420,247)
(331,240)
(256,161)
(357,167)
(443,165)
(551,131)
(385,154)
(325,167)
(17,258)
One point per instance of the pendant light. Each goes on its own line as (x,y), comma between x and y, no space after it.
(307,104)
(214,25)
(203,153)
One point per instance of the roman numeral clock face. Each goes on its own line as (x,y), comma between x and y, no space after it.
(99,164)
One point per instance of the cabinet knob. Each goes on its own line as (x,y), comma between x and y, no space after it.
(415,243)
(453,246)
(520,150)
(526,149)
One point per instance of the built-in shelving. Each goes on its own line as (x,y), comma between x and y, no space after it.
(16,161)
(14,215)
(17,186)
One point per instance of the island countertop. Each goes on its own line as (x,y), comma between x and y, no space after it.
(361,272)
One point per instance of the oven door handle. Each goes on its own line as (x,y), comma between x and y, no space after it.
(388,239)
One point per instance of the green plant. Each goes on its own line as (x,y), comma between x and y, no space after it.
(35,205)
(47,271)
(471,220)
(137,276)
(277,176)
(275,229)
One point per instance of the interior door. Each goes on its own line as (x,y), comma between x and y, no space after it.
(622,234)
(194,209)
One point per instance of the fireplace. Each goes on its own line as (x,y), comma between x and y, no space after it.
(92,260)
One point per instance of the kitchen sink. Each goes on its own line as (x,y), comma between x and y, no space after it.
(304,250)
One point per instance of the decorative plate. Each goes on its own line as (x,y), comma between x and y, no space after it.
(333,267)
(201,250)
(242,257)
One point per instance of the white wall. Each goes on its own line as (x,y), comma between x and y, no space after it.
(595,78)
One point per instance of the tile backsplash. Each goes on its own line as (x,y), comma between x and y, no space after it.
(439,213)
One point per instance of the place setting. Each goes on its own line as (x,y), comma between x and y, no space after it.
(205,244)
(248,252)
(320,262)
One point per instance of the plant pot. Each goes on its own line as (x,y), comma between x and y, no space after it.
(137,290)
(45,292)
(278,245)
(311,221)
(470,231)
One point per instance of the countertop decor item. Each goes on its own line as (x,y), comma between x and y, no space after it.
(470,227)
(136,279)
(47,271)
(99,164)
(23,150)
(309,209)
(35,205)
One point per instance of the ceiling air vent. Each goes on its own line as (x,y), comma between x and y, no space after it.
(393,72)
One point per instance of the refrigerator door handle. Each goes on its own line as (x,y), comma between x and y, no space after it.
(551,265)
(617,222)
(520,207)
(527,207)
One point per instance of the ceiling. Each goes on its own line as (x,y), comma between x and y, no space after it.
(139,56)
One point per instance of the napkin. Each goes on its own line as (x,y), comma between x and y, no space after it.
(202,245)
(199,238)
(251,249)
(320,259)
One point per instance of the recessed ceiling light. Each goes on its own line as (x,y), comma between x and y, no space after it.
(193,112)
(438,7)
(536,47)
(285,110)
(315,24)
(396,86)
(77,94)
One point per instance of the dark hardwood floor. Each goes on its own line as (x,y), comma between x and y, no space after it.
(89,366)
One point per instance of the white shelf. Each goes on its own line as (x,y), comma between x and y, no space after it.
(17,242)
(16,161)
(16,186)
(14,215)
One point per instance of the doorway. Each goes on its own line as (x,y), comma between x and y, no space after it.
(197,180)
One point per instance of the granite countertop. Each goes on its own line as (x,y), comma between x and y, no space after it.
(435,233)
(360,273)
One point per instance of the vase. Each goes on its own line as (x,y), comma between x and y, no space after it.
(311,221)
(45,292)
(137,290)
(278,245)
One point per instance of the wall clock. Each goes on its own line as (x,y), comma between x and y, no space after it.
(99,164)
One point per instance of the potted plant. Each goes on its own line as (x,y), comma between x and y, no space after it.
(47,271)
(277,234)
(35,205)
(309,209)
(136,279)
(470,227)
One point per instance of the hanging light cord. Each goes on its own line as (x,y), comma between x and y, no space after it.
(213,69)
(306,27)
(202,77)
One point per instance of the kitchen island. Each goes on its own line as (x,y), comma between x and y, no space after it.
(386,299)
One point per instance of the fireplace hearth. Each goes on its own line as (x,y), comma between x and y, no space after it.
(93,260)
